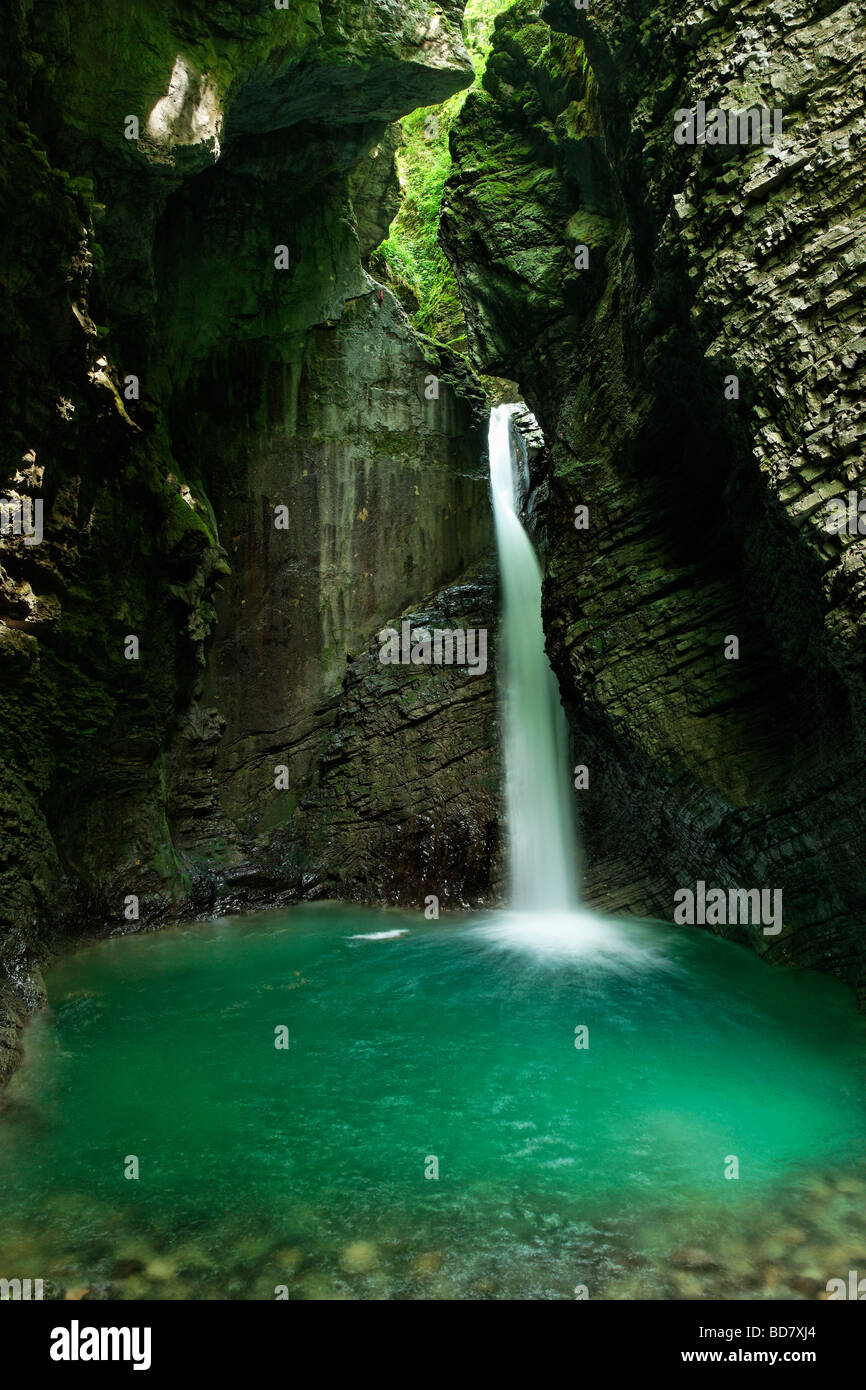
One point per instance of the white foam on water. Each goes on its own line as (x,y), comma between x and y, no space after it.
(378,935)
(578,936)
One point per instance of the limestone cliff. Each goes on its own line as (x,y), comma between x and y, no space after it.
(705,509)
(240,465)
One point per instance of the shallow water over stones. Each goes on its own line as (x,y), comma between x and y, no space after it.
(311,1170)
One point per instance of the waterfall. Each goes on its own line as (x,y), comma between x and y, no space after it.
(535,747)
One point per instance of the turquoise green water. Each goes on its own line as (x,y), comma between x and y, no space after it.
(306,1167)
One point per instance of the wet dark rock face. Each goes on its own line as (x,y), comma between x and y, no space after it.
(427,822)
(166,390)
(706,514)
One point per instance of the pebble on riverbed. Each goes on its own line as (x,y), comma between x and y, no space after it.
(360,1257)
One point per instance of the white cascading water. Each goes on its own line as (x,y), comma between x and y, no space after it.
(535,745)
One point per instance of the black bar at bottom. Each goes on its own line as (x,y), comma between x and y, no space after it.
(224,1339)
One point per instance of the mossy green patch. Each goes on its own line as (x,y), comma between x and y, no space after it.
(411,259)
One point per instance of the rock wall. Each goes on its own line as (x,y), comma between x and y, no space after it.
(706,513)
(167,386)
(427,821)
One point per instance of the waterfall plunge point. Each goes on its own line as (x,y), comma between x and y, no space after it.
(546,914)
